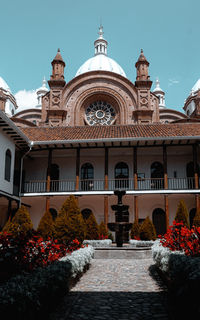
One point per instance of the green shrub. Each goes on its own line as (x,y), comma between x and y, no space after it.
(182,214)
(92,229)
(196,221)
(46,226)
(147,230)
(69,224)
(135,230)
(21,223)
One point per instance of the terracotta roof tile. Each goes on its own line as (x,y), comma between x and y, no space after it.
(109,132)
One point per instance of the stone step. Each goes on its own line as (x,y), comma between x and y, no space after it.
(122,253)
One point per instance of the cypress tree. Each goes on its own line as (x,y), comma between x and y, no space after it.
(182,214)
(103,230)
(135,230)
(92,229)
(69,224)
(20,224)
(147,230)
(46,226)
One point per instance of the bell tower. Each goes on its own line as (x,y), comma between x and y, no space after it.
(53,113)
(145,112)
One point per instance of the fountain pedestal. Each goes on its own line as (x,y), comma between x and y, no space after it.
(121,215)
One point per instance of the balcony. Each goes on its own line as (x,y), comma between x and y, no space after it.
(57,186)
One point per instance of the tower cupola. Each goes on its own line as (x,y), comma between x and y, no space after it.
(160,94)
(58,66)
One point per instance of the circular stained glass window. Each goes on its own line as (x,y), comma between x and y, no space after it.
(100,113)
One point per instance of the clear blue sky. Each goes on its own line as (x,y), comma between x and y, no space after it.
(168,31)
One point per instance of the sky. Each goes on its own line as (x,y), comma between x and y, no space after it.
(167,31)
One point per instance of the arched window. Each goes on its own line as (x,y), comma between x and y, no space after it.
(121,176)
(53,213)
(157,175)
(7,165)
(87,176)
(159,221)
(54,176)
(86,213)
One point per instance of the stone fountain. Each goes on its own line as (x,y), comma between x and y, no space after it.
(121,215)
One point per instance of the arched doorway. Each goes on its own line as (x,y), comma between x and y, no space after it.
(86,213)
(191,216)
(54,176)
(53,213)
(159,221)
(121,176)
(87,176)
(157,175)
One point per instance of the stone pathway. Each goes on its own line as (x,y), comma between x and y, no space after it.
(116,289)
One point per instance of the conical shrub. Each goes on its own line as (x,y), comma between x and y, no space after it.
(135,230)
(196,221)
(20,224)
(46,226)
(103,231)
(147,230)
(92,229)
(182,214)
(69,224)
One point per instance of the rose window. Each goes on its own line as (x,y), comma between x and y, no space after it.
(100,113)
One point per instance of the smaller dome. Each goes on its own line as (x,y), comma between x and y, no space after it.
(42,89)
(196,87)
(158,88)
(4,85)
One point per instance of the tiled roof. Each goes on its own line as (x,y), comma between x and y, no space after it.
(117,132)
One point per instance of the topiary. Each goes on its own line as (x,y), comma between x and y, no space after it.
(182,214)
(46,226)
(196,221)
(147,230)
(103,231)
(135,230)
(92,229)
(69,224)
(20,224)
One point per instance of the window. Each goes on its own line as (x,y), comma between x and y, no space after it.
(54,176)
(159,221)
(121,176)
(87,176)
(157,175)
(7,165)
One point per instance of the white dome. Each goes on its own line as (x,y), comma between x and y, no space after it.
(4,85)
(196,86)
(101,62)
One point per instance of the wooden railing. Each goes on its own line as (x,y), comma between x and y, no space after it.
(41,186)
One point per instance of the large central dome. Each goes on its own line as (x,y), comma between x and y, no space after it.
(101,61)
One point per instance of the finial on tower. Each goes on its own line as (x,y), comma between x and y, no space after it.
(100,44)
(101,32)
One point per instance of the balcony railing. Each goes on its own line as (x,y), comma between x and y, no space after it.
(41,186)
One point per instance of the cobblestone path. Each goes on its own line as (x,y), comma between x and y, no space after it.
(116,289)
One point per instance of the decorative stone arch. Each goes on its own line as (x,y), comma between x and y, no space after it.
(96,85)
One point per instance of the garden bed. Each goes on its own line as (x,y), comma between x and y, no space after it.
(28,295)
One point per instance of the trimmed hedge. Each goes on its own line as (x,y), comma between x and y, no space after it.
(98,243)
(29,296)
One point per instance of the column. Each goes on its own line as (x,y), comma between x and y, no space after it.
(106,187)
(196,175)
(165,167)
(136,215)
(106,210)
(48,186)
(77,168)
(166,199)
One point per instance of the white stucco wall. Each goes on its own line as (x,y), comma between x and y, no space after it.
(6,143)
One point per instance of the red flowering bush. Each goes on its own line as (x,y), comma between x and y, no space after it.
(102,237)
(26,254)
(179,237)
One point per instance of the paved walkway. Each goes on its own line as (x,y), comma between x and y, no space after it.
(116,289)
